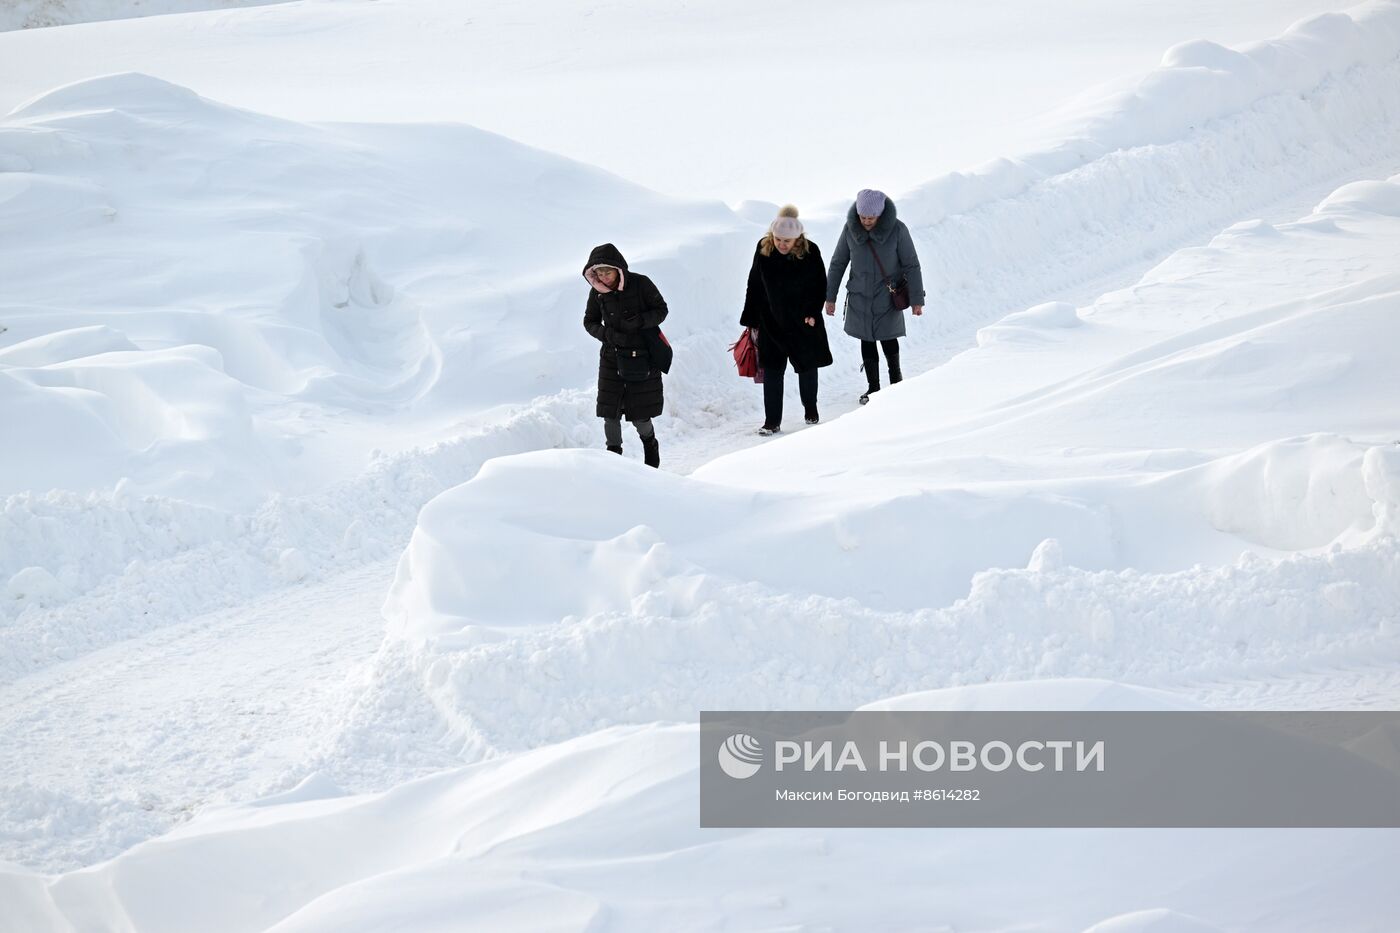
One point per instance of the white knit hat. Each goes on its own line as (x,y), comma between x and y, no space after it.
(786,226)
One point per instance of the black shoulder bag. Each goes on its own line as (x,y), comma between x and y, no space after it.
(633,363)
(899,291)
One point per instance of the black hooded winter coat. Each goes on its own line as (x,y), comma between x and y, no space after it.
(782,292)
(617,318)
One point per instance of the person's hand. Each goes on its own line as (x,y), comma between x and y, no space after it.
(831,307)
(918,310)
(810,321)
(753,333)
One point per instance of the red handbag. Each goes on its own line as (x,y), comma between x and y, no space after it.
(746,357)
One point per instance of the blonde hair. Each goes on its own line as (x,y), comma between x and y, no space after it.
(799,245)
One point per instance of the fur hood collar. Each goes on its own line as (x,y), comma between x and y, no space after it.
(883,227)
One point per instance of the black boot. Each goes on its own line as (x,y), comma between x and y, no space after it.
(869,392)
(891,348)
(651,451)
(616,450)
(811,414)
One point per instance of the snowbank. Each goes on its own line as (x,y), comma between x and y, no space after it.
(610,536)
(337,290)
(975,88)
(1158,920)
(602,829)
(1180,154)
(35,14)
(746,645)
(230,337)
(1203,138)
(233,285)
(1146,495)
(1191,478)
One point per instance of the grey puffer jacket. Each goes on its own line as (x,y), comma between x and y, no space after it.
(870,313)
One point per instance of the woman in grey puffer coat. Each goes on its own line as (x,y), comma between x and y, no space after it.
(873,227)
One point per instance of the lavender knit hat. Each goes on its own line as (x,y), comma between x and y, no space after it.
(870,203)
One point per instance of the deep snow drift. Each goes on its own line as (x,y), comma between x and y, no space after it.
(687,81)
(580,827)
(344,295)
(221,287)
(37,14)
(224,328)
(600,833)
(1091,492)
(1191,478)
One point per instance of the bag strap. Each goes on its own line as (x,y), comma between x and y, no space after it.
(883,275)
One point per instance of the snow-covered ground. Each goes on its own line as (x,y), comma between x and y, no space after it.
(722,99)
(599,832)
(1153,443)
(37,14)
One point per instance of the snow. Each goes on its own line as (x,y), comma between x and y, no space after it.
(709,641)
(601,829)
(267,243)
(35,14)
(976,82)
(263,290)
(1159,920)
(265,374)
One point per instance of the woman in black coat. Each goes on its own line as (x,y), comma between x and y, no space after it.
(783,310)
(622,307)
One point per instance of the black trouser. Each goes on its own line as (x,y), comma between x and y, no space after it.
(871,359)
(612,430)
(775,363)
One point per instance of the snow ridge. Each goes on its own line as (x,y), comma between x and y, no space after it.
(37,14)
(993,242)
